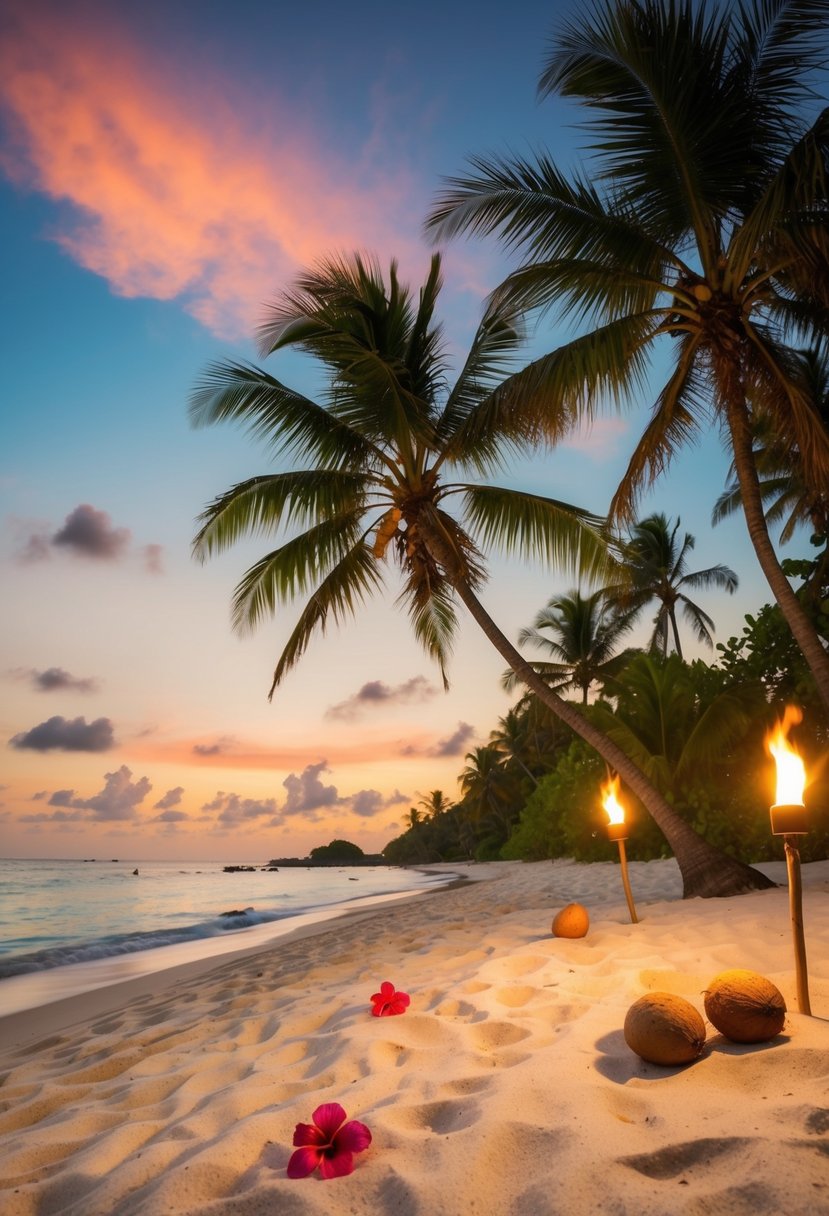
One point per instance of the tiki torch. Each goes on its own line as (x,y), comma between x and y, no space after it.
(617,830)
(789,820)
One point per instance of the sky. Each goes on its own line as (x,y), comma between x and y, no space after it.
(165,171)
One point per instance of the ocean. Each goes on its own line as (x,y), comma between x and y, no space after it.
(67,927)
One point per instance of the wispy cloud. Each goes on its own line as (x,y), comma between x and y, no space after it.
(171,191)
(170,799)
(376,695)
(54,679)
(452,745)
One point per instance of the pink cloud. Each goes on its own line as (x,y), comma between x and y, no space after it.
(599,439)
(174,190)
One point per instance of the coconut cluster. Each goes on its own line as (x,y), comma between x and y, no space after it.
(664,1028)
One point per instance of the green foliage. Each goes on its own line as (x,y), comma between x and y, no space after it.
(563,817)
(766,652)
(338,852)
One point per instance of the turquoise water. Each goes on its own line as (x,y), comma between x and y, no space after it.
(69,926)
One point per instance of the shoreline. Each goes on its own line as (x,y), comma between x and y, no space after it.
(506,1088)
(21,1024)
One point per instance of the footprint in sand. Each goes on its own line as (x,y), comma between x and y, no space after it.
(516,996)
(519,965)
(456,1009)
(676,1159)
(493,1035)
(443,1118)
(467,1085)
(817,1121)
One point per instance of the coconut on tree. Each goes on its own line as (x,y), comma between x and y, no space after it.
(386,454)
(700,231)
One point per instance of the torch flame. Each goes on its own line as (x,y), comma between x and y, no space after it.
(610,801)
(791,771)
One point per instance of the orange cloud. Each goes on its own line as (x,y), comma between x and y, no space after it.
(176,191)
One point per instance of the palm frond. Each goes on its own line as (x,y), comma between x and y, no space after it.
(777,44)
(699,621)
(790,404)
(338,596)
(282,419)
(260,505)
(721,724)
(533,635)
(432,613)
(556,675)
(490,360)
(533,526)
(554,394)
(662,143)
(675,420)
(787,222)
(720,576)
(382,353)
(292,569)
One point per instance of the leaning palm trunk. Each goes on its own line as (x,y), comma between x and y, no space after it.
(376,490)
(802,628)
(705,870)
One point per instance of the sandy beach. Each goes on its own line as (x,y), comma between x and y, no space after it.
(506,1088)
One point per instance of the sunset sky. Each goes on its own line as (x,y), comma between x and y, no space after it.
(166,168)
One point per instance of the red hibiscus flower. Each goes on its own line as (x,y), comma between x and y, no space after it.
(387,1002)
(329,1142)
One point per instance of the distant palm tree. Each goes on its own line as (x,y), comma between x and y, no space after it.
(582,634)
(489,790)
(701,228)
(379,454)
(435,804)
(656,568)
(511,739)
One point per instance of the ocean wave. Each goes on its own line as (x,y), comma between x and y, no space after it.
(232,921)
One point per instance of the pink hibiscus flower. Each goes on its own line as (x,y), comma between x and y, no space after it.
(329,1142)
(387,1001)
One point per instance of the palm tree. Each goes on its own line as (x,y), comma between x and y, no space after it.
(489,790)
(380,448)
(656,568)
(702,227)
(584,632)
(435,804)
(511,739)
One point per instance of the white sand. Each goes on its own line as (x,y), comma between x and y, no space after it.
(506,1089)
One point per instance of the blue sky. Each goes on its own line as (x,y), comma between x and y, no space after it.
(165,170)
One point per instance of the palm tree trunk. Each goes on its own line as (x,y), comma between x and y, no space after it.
(675,628)
(798,621)
(705,870)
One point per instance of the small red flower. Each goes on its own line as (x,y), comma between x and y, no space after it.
(387,1001)
(329,1142)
